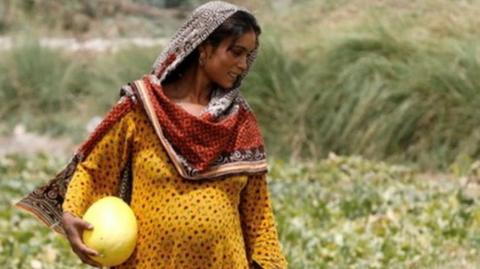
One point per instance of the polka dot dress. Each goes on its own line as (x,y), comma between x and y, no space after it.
(222,224)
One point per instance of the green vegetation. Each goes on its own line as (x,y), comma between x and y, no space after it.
(337,213)
(388,91)
(361,214)
(24,242)
(33,82)
(386,80)
(57,93)
(373,88)
(373,94)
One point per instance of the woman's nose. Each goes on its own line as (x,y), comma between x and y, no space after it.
(243,63)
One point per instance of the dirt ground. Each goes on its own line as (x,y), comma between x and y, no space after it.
(23,142)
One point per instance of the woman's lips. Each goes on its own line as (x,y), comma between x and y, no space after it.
(232,75)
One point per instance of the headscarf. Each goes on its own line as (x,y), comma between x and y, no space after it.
(224,140)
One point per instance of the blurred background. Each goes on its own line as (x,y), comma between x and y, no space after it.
(370,111)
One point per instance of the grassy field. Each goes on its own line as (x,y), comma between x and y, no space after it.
(387,77)
(341,212)
(389,80)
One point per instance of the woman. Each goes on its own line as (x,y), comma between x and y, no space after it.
(192,149)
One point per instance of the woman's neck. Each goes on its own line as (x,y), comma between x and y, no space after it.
(193,87)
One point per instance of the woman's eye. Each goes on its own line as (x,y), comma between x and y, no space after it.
(236,53)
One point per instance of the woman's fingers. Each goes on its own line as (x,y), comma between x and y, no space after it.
(84,252)
(80,246)
(86,259)
(74,228)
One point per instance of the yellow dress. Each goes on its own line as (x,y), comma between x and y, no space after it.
(215,224)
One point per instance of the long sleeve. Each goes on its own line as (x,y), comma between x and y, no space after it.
(258,224)
(98,175)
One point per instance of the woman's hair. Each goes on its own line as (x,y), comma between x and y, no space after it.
(235,26)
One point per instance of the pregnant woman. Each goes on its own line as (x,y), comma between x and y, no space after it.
(183,147)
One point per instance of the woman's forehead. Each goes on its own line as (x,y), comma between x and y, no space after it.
(247,41)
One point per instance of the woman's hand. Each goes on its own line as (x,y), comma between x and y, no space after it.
(74,228)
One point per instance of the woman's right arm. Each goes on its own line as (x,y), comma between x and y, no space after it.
(94,178)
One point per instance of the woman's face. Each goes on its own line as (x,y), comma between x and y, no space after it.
(223,64)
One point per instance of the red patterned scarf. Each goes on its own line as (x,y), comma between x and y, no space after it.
(205,146)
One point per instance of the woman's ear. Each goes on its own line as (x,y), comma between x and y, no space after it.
(205,51)
(202,55)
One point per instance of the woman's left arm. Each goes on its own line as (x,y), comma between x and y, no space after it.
(258,224)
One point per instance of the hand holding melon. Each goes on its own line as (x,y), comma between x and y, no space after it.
(114,233)
(74,227)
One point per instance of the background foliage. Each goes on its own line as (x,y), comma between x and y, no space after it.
(383,87)
(341,212)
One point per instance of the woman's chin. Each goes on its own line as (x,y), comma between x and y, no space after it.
(226,85)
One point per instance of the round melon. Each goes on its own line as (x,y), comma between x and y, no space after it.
(114,232)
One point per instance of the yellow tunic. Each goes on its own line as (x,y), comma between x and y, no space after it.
(223,224)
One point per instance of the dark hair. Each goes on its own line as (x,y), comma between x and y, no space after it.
(235,26)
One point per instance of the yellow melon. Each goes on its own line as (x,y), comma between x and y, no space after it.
(114,231)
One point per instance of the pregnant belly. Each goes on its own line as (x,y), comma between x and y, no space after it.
(193,218)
